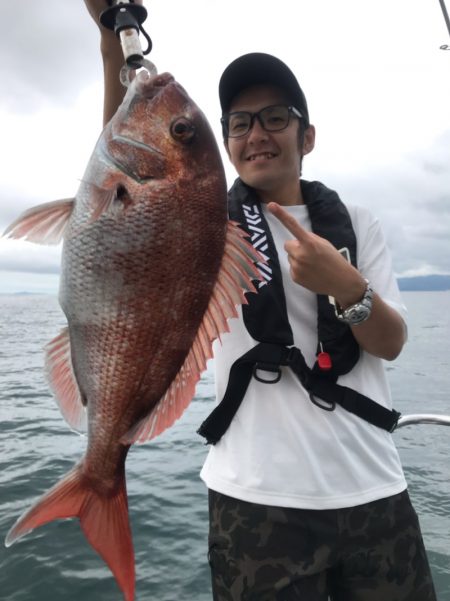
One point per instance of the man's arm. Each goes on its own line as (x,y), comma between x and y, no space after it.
(383,334)
(113,61)
(318,266)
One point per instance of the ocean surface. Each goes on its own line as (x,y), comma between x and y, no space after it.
(167,500)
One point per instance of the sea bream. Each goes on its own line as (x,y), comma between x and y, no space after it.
(151,271)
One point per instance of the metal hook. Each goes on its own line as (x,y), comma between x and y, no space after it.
(126,70)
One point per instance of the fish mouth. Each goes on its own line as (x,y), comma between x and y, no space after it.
(149,86)
(162,85)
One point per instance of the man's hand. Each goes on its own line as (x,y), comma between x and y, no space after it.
(95,7)
(317,265)
(113,60)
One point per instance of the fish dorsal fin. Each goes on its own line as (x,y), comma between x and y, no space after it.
(235,277)
(43,224)
(61,378)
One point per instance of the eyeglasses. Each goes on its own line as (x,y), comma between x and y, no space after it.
(271,118)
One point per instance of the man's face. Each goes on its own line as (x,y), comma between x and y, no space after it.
(264,160)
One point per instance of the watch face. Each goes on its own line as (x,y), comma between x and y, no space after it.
(357,313)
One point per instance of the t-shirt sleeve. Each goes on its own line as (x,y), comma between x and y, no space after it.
(374,258)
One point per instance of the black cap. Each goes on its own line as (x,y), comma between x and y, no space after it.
(259,68)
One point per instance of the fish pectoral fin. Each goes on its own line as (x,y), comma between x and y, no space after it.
(101,199)
(235,277)
(61,378)
(104,521)
(43,224)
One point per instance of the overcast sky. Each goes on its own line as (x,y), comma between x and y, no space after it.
(376,80)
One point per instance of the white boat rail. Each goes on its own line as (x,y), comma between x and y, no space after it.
(423,418)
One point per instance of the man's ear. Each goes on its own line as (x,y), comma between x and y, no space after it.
(309,139)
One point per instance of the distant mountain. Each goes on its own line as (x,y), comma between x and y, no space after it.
(23,293)
(418,283)
(425,282)
(27,293)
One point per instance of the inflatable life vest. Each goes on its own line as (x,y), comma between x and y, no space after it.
(266,319)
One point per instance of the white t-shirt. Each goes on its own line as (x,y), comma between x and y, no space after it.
(280,448)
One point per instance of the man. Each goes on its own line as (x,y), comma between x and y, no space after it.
(307,497)
(306,503)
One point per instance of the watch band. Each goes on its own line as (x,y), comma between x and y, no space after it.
(358,312)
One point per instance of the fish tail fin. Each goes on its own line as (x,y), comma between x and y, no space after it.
(103,518)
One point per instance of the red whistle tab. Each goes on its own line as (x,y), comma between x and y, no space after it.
(324,361)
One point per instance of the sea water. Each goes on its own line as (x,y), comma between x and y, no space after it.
(167,500)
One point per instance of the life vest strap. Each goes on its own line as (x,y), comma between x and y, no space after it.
(270,357)
(217,423)
(354,402)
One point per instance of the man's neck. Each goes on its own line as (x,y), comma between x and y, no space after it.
(287,196)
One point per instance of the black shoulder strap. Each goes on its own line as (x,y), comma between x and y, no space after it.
(265,316)
(330,220)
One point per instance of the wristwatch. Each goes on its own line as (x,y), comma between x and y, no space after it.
(358,312)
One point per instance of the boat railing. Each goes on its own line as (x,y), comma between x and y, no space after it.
(423,418)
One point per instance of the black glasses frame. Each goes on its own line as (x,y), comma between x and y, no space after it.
(226,118)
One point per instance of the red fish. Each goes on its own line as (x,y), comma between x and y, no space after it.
(151,271)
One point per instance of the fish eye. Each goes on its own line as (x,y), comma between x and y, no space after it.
(182,130)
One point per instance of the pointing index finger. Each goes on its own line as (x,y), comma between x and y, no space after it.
(289,222)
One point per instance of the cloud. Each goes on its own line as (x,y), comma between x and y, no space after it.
(44,45)
(25,257)
(44,154)
(411,197)
(377,90)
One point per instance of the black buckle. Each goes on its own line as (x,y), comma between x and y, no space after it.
(292,355)
(275,369)
(397,416)
(322,404)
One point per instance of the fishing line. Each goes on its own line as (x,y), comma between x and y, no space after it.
(447,22)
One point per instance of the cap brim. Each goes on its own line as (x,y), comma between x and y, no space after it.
(257,69)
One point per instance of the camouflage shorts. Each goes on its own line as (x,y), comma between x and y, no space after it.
(372,552)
